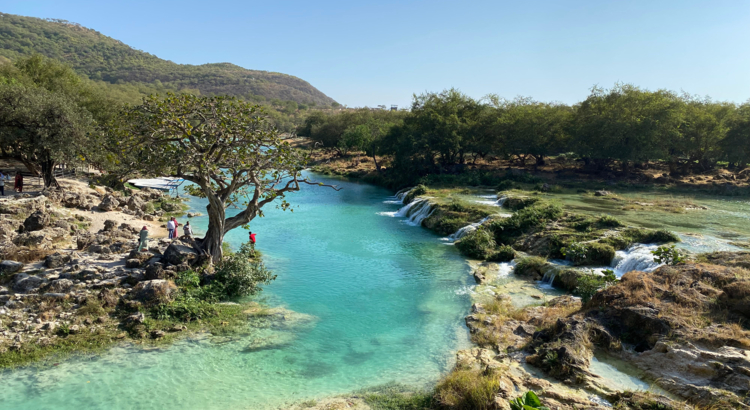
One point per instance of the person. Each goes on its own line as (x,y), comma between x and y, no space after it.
(188,230)
(176,226)
(19,182)
(143,245)
(170,228)
(2,183)
(252,239)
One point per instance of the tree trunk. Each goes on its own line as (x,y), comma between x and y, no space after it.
(48,173)
(377,166)
(211,243)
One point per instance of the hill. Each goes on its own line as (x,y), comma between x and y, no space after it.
(105,59)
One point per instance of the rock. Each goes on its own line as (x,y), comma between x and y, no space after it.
(157,334)
(60,285)
(135,203)
(158,290)
(194,214)
(155,271)
(30,238)
(132,263)
(602,193)
(56,260)
(55,296)
(136,318)
(97,248)
(169,206)
(109,225)
(36,222)
(109,203)
(74,329)
(10,266)
(149,218)
(176,254)
(25,283)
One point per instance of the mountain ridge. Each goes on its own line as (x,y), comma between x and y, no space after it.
(103,58)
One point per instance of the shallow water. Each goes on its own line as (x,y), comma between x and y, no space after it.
(385,302)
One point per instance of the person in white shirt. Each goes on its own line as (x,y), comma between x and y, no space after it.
(170,228)
(188,230)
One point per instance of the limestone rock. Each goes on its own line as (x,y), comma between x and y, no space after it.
(60,285)
(10,266)
(29,238)
(176,254)
(135,203)
(36,221)
(56,260)
(109,203)
(155,271)
(25,283)
(602,193)
(158,290)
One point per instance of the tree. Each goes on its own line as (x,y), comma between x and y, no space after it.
(42,129)
(225,146)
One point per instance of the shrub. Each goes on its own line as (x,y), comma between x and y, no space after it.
(608,221)
(415,192)
(528,401)
(239,274)
(465,389)
(508,229)
(187,279)
(667,255)
(503,254)
(149,208)
(530,265)
(515,203)
(505,185)
(185,309)
(591,253)
(479,244)
(575,252)
(660,236)
(590,283)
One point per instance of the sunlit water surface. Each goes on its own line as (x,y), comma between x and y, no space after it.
(384,302)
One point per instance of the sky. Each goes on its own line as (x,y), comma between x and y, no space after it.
(371,53)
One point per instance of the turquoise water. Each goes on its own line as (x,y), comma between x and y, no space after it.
(378,301)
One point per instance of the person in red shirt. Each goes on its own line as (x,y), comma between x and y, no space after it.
(252,239)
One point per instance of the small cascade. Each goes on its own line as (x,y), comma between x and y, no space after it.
(401,195)
(417,211)
(636,257)
(506,268)
(501,201)
(548,279)
(467,230)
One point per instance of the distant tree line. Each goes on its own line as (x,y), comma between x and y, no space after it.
(620,128)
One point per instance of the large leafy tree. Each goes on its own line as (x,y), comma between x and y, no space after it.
(225,146)
(41,128)
(736,144)
(531,128)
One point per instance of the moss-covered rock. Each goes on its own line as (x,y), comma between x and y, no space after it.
(531,266)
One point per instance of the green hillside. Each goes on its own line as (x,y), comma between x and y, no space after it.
(105,59)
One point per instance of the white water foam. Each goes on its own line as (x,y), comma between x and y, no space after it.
(467,230)
(636,257)
(506,268)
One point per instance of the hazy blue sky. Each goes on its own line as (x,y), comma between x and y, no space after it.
(369,53)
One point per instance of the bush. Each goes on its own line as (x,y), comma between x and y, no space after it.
(503,254)
(465,389)
(515,203)
(507,230)
(590,283)
(185,309)
(608,221)
(479,244)
(415,192)
(505,185)
(667,255)
(149,208)
(637,235)
(241,275)
(530,266)
(591,253)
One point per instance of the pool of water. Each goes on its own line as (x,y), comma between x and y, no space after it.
(381,301)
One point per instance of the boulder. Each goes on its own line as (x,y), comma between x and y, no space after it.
(97,248)
(56,260)
(25,283)
(109,225)
(60,286)
(135,203)
(29,238)
(194,214)
(602,193)
(132,263)
(109,203)
(158,290)
(176,254)
(10,266)
(169,206)
(36,221)
(155,271)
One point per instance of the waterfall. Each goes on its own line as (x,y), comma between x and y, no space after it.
(417,211)
(401,195)
(505,268)
(636,257)
(467,230)
(501,200)
(548,279)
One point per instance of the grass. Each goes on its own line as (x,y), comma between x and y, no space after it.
(394,396)
(468,389)
(530,265)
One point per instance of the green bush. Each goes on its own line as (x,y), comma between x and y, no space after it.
(507,230)
(515,203)
(591,253)
(479,244)
(149,208)
(417,191)
(668,255)
(503,254)
(239,274)
(608,221)
(530,266)
(188,279)
(185,309)
(590,283)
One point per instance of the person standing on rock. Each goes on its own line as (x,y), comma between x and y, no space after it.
(19,182)
(143,245)
(188,230)
(170,228)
